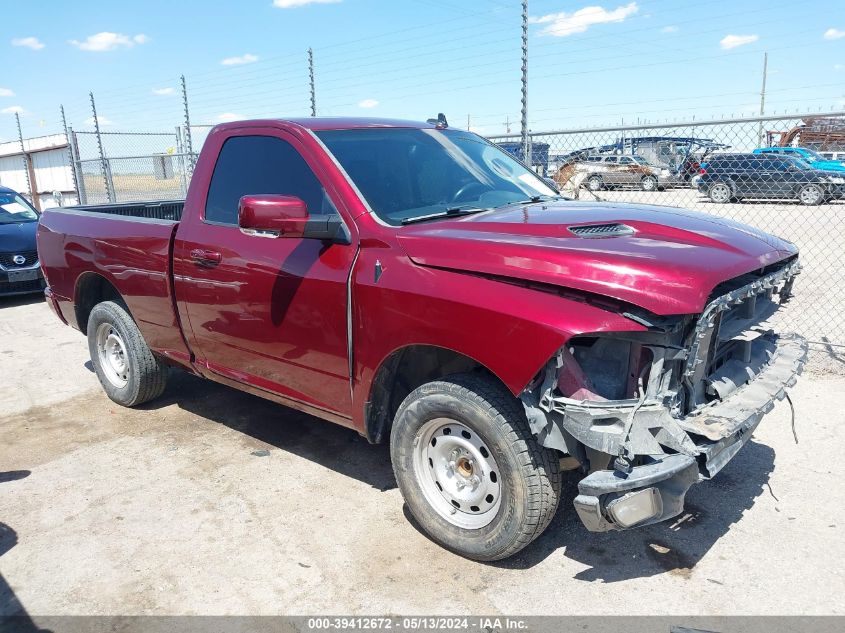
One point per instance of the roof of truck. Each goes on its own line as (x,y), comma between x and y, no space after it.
(335,123)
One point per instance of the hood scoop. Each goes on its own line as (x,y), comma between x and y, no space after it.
(601,230)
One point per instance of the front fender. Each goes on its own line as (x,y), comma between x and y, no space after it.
(511,329)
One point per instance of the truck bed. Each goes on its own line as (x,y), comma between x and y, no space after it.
(151,210)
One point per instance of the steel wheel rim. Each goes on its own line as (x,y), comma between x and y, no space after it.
(594,183)
(720,193)
(111,352)
(810,195)
(457,473)
(649,184)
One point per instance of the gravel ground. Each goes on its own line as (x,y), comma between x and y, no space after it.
(211,501)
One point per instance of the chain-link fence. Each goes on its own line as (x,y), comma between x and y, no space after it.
(785,176)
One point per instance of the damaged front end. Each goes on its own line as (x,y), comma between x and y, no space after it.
(648,414)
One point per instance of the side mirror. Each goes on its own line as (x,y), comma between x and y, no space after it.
(273,215)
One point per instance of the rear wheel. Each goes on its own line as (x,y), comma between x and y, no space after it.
(128,371)
(595,183)
(470,470)
(720,193)
(810,195)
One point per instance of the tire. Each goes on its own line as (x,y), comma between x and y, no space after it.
(128,371)
(595,183)
(648,183)
(810,195)
(511,484)
(720,192)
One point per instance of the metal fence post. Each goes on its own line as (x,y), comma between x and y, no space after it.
(76,162)
(73,173)
(107,180)
(311,82)
(27,166)
(188,144)
(526,156)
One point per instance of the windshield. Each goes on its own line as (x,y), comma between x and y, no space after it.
(14,209)
(800,163)
(811,157)
(406,173)
(640,160)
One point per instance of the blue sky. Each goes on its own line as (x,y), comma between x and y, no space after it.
(591,63)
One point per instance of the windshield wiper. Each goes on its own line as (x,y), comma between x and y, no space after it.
(451,212)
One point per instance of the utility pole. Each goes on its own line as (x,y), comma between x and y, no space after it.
(507,125)
(526,152)
(27,166)
(103,163)
(311,80)
(468,123)
(188,143)
(763,97)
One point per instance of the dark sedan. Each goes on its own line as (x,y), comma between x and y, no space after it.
(20,272)
(731,177)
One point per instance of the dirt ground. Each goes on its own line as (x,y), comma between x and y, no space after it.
(211,501)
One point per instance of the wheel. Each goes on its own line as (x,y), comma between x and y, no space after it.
(648,183)
(469,468)
(127,369)
(810,195)
(595,183)
(719,193)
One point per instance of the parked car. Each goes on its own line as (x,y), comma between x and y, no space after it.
(421,286)
(610,171)
(731,177)
(837,156)
(814,159)
(20,272)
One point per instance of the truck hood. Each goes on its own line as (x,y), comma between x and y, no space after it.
(669,264)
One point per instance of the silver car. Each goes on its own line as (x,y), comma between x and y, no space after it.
(626,171)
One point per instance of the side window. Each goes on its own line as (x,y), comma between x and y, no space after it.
(610,159)
(625,161)
(260,164)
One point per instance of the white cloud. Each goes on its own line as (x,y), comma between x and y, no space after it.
(292,4)
(29,42)
(107,41)
(669,29)
(7,92)
(163,91)
(732,41)
(563,24)
(229,116)
(248,58)
(102,120)
(13,110)
(368,103)
(833,34)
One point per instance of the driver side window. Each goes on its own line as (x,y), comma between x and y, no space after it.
(261,164)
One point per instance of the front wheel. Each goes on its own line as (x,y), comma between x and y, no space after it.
(648,183)
(810,195)
(595,183)
(128,371)
(473,475)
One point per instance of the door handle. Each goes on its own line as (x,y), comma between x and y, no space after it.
(205,258)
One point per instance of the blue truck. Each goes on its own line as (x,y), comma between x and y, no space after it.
(816,160)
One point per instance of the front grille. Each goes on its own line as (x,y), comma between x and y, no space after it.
(601,230)
(7,260)
(728,347)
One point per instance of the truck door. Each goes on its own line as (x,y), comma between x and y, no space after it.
(266,311)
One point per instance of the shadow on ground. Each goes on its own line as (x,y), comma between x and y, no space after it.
(673,547)
(21,300)
(332,446)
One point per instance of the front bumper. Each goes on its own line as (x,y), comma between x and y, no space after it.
(731,420)
(21,281)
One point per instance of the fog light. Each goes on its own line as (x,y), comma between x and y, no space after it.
(636,507)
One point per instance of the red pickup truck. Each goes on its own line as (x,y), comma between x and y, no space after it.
(418,284)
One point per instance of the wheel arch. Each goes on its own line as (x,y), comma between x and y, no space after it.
(405,369)
(93,288)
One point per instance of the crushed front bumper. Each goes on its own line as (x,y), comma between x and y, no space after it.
(718,431)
